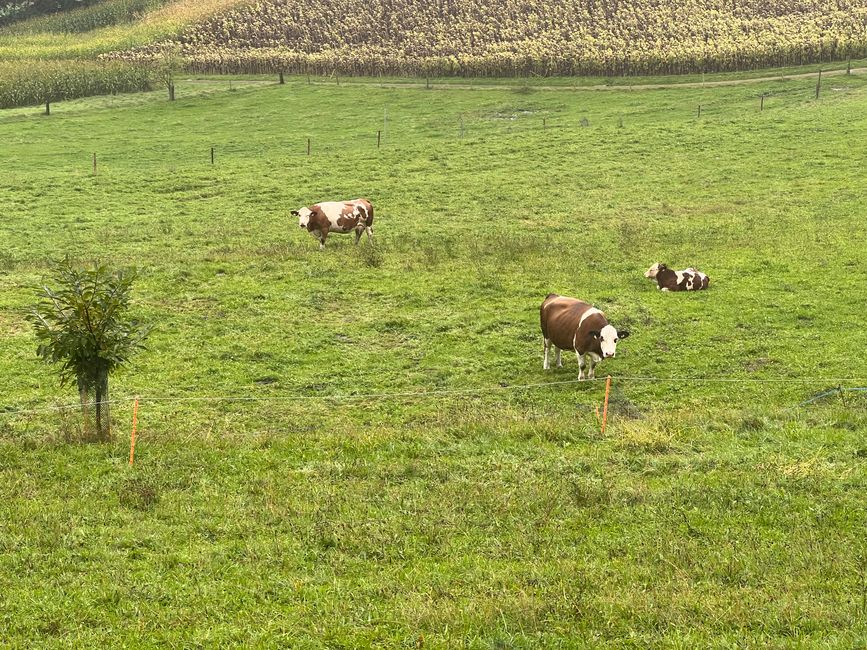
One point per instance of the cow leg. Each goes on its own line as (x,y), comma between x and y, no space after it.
(559,360)
(592,373)
(322,236)
(358,232)
(369,230)
(546,343)
(580,365)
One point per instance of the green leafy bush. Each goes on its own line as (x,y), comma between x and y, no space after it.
(82,325)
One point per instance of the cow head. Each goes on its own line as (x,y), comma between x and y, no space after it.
(608,337)
(303,216)
(654,270)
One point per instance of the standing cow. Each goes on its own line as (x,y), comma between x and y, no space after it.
(337,216)
(571,324)
(670,280)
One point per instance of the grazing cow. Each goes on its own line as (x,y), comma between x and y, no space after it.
(669,280)
(337,216)
(571,324)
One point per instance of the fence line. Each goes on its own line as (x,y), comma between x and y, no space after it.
(836,391)
(444,129)
(65,407)
(459,391)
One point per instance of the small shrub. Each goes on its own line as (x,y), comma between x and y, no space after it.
(139,493)
(82,326)
(371,256)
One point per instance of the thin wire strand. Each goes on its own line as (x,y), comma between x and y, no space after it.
(433,393)
(65,407)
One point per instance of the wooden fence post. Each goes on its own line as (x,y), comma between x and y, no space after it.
(94,164)
(699,110)
(378,138)
(819,83)
(212,155)
(308,146)
(605,404)
(282,81)
(762,104)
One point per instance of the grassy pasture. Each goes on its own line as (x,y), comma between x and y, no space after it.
(708,514)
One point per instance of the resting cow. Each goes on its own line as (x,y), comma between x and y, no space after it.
(337,216)
(571,324)
(669,280)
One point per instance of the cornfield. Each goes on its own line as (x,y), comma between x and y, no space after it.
(521,37)
(52,57)
(85,19)
(52,81)
(16,10)
(55,56)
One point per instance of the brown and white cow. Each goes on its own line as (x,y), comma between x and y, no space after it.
(670,280)
(570,324)
(337,216)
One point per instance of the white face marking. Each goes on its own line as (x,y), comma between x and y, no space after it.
(304,217)
(652,271)
(608,341)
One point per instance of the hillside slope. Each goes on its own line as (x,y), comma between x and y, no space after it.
(527,36)
(18,10)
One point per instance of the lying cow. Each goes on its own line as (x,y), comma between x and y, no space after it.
(337,216)
(669,280)
(571,324)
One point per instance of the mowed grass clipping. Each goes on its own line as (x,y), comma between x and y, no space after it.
(708,514)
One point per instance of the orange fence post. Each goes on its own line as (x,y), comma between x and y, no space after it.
(132,435)
(605,405)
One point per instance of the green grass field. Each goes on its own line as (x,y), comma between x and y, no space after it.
(302,514)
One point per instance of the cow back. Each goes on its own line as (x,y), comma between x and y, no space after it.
(561,316)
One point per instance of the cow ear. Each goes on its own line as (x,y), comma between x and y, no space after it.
(622,334)
(295,213)
(595,334)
